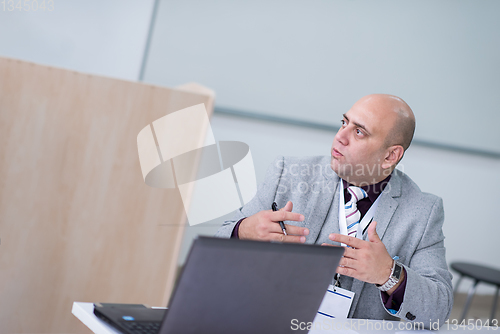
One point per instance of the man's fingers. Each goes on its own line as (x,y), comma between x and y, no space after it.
(285,215)
(348,262)
(288,238)
(350,241)
(372,232)
(288,207)
(290,229)
(350,252)
(346,271)
(296,230)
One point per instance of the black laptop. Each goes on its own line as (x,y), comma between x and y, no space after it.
(236,286)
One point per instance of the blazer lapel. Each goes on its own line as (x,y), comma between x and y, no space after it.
(385,210)
(387,205)
(326,210)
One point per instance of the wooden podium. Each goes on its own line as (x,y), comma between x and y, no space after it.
(77,221)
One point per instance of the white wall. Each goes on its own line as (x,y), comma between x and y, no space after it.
(463,181)
(93,36)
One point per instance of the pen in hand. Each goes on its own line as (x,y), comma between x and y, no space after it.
(275,208)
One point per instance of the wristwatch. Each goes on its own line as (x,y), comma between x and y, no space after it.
(397,268)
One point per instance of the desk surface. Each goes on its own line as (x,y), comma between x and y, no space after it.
(85,313)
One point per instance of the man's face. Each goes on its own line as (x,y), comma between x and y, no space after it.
(359,147)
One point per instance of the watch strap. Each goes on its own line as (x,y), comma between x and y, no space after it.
(393,280)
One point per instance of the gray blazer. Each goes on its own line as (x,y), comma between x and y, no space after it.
(409,223)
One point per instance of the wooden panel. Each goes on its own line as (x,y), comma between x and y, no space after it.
(77,222)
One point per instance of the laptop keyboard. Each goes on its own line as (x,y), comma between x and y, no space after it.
(142,327)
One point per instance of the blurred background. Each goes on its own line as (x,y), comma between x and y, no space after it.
(285,71)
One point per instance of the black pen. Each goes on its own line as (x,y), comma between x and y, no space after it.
(275,208)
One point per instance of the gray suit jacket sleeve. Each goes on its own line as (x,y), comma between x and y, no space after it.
(428,293)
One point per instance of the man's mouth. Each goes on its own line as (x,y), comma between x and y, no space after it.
(336,153)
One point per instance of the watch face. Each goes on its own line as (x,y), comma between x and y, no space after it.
(397,271)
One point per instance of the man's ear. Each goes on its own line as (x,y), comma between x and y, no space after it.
(393,155)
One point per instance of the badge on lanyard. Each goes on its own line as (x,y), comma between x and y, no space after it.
(336,304)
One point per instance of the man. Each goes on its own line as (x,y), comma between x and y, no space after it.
(334,200)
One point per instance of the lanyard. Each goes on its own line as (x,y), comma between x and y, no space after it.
(364,222)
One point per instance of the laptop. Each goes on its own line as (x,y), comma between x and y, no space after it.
(237,286)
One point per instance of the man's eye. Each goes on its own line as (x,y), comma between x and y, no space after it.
(342,122)
(359,132)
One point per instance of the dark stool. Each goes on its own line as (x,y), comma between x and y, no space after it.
(479,274)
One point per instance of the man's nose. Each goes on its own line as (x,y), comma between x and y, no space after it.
(342,137)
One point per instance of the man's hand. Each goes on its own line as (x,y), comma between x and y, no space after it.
(264,226)
(366,261)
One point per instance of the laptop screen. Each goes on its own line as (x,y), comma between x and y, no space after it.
(240,286)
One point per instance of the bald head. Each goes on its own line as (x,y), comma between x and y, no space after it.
(372,140)
(396,111)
